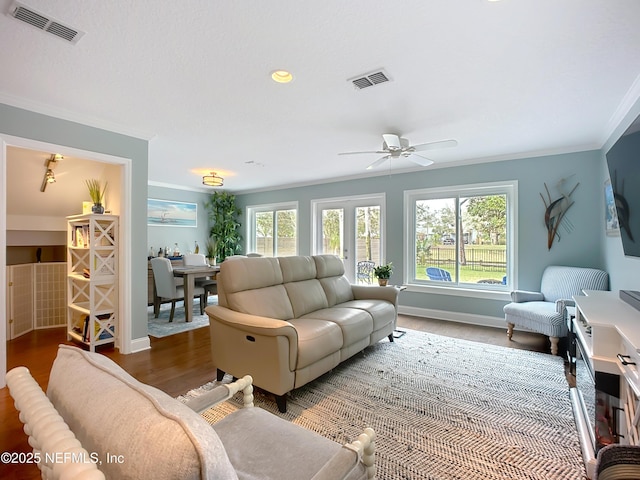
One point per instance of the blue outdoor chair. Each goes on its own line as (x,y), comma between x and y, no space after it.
(438,274)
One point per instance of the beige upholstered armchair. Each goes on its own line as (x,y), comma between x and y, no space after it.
(93,410)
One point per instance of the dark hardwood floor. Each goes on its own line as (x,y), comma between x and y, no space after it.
(179,363)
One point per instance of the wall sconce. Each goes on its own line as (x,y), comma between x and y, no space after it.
(212,180)
(49,176)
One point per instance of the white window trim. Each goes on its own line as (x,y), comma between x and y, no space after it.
(509,187)
(251,211)
(339,202)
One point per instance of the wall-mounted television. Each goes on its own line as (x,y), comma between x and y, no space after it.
(623,161)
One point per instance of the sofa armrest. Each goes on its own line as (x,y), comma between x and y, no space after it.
(519,296)
(343,462)
(222,393)
(371,292)
(251,323)
(257,325)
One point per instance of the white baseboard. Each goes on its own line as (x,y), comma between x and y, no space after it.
(470,318)
(140,344)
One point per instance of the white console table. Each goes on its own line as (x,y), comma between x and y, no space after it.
(608,329)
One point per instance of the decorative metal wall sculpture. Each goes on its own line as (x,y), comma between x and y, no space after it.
(555,211)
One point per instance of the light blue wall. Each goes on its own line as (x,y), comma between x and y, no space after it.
(163,236)
(580,247)
(623,270)
(25,124)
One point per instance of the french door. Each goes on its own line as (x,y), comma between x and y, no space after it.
(352,228)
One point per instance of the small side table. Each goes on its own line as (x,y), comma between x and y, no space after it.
(397,333)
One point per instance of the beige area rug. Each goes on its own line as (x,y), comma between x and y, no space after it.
(442,408)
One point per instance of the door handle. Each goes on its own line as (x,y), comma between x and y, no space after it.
(623,361)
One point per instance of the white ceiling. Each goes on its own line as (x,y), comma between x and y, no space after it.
(506,79)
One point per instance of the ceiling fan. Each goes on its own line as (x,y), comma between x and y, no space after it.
(394,146)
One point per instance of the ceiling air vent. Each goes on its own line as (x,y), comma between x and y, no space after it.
(370,79)
(44,22)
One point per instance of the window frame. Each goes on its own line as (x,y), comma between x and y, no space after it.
(253,210)
(491,291)
(350,203)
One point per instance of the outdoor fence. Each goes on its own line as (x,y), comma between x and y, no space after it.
(486,259)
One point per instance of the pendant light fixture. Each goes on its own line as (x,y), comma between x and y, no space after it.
(212,180)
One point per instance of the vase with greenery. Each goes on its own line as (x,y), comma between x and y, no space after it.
(383,273)
(225,227)
(96,192)
(210,248)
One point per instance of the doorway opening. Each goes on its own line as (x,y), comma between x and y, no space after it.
(118,172)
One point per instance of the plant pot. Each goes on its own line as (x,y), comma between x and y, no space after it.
(211,261)
(97,208)
(383,282)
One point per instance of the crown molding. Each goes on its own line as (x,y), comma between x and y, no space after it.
(70,116)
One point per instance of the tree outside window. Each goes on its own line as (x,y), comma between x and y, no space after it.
(464,234)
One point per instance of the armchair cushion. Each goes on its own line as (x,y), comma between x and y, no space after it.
(300,452)
(539,316)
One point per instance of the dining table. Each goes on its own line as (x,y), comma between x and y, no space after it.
(189,274)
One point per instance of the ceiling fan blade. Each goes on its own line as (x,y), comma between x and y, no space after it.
(378,162)
(433,145)
(392,141)
(420,160)
(360,153)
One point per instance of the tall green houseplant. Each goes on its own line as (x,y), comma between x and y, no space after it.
(225,229)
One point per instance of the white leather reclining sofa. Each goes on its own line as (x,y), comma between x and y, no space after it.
(285,321)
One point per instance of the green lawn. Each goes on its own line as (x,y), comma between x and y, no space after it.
(466,274)
(444,256)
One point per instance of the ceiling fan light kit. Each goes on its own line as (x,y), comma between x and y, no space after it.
(394,146)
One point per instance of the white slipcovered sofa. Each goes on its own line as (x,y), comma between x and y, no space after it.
(96,422)
(285,321)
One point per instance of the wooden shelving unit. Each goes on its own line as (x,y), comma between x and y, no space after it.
(92,276)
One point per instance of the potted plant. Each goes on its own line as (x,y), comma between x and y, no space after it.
(383,273)
(225,228)
(211,246)
(96,192)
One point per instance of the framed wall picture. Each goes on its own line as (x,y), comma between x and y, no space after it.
(610,216)
(169,213)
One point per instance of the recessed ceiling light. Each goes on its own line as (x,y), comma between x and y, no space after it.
(281,76)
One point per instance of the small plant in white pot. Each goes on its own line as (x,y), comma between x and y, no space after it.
(383,273)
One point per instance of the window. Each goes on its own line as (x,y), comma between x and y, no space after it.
(461,237)
(273,229)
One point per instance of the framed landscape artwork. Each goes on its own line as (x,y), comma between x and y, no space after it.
(168,213)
